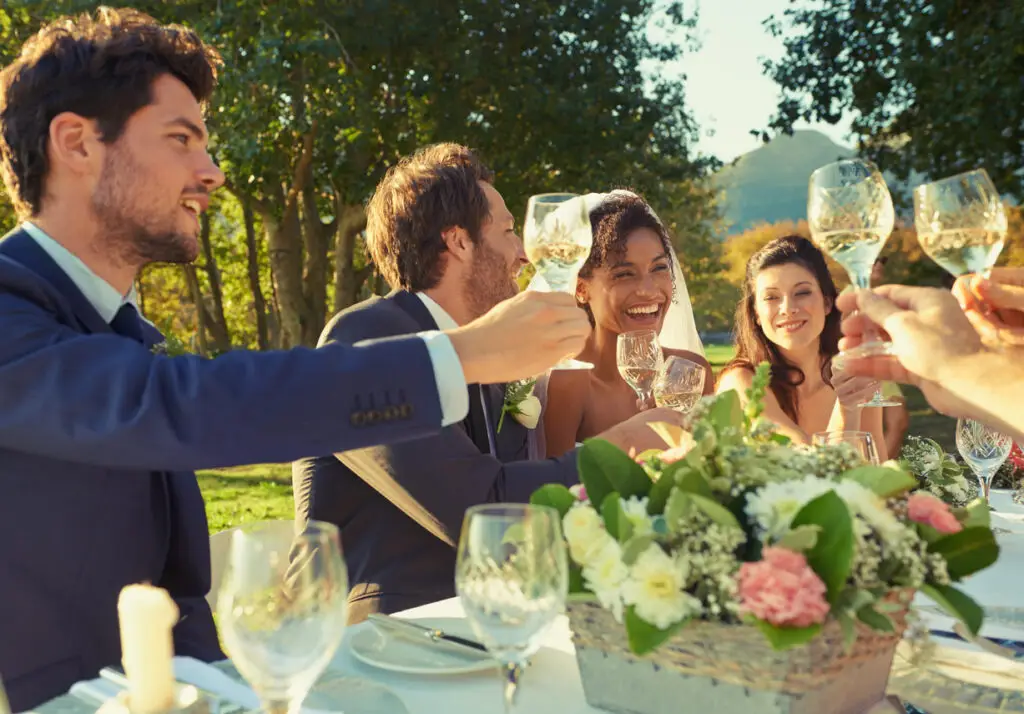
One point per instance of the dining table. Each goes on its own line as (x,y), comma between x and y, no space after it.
(368,675)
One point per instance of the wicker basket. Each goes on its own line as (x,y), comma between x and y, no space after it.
(712,667)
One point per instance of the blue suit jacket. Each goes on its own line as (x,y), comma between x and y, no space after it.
(98,440)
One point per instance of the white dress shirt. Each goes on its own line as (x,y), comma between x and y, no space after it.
(106,300)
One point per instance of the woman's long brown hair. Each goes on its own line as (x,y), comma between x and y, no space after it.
(753,347)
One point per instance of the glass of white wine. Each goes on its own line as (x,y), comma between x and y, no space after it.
(861,441)
(680,385)
(850,214)
(961,223)
(639,358)
(557,239)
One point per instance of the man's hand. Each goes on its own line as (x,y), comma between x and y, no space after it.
(852,391)
(931,338)
(521,337)
(634,433)
(995,305)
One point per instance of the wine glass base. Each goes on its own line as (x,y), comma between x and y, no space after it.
(877,401)
(573,364)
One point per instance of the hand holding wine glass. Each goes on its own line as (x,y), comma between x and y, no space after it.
(680,385)
(639,359)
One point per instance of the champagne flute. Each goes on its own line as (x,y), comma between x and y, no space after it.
(639,359)
(512,576)
(679,385)
(961,223)
(850,213)
(862,442)
(983,448)
(282,607)
(557,238)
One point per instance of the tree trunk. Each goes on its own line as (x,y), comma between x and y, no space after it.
(347,280)
(315,239)
(259,304)
(218,324)
(197,299)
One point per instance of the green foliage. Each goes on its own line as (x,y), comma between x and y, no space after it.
(967,552)
(957,604)
(784,638)
(832,555)
(604,468)
(645,637)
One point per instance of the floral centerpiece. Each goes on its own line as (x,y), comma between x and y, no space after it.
(753,574)
(937,472)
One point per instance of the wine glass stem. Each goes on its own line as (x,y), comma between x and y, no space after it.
(862,281)
(510,673)
(647,399)
(275,706)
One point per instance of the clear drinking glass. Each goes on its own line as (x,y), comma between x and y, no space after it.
(282,606)
(512,576)
(639,358)
(983,448)
(961,223)
(850,214)
(557,240)
(679,385)
(861,441)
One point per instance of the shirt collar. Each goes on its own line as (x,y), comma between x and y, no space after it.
(104,298)
(443,319)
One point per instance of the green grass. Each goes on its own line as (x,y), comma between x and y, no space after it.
(257,493)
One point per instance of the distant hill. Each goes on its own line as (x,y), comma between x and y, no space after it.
(769,184)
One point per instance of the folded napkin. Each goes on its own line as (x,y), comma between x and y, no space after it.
(208,678)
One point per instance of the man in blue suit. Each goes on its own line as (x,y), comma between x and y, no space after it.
(104,153)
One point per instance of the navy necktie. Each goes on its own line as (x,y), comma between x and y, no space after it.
(128,323)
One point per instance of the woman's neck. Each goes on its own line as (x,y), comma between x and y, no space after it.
(601,350)
(808,360)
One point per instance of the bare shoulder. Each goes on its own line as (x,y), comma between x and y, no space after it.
(738,377)
(570,384)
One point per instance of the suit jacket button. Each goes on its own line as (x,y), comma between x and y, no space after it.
(358,418)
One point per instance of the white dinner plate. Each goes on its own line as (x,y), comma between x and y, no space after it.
(400,654)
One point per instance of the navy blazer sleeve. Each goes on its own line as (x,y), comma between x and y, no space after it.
(445,472)
(105,400)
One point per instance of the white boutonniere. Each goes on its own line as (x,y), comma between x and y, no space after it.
(521,403)
(160,348)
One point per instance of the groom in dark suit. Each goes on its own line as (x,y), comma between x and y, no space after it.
(103,150)
(440,233)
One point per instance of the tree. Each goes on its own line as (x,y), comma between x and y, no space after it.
(933,86)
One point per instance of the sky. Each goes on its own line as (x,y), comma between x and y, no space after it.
(725,88)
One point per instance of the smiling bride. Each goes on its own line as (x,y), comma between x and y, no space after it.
(630,282)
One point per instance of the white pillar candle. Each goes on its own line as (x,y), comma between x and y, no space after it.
(147,615)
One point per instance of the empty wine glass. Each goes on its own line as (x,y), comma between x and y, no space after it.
(983,448)
(850,214)
(639,358)
(961,223)
(512,576)
(862,442)
(557,238)
(680,384)
(282,607)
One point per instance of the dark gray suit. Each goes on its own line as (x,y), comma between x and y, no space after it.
(400,507)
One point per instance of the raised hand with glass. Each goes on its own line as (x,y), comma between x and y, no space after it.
(557,239)
(639,358)
(679,385)
(850,214)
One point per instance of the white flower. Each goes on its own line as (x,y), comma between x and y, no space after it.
(655,588)
(868,505)
(604,577)
(636,512)
(585,532)
(774,505)
(528,413)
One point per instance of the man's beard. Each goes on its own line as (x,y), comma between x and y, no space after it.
(134,235)
(489,282)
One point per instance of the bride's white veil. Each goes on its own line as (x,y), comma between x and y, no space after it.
(679,329)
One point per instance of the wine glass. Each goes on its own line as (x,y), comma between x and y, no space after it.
(639,358)
(512,576)
(862,442)
(679,385)
(850,214)
(282,606)
(983,448)
(557,240)
(961,223)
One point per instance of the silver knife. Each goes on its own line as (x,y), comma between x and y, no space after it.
(426,635)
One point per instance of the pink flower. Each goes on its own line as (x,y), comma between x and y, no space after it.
(781,589)
(579,491)
(931,511)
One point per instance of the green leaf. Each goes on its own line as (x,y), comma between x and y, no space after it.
(725,411)
(635,546)
(854,599)
(875,620)
(927,533)
(780,439)
(832,556)
(677,509)
(604,468)
(784,638)
(715,511)
(645,637)
(694,482)
(615,519)
(977,514)
(967,552)
(554,495)
(800,539)
(884,482)
(660,490)
(849,627)
(576,585)
(957,604)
